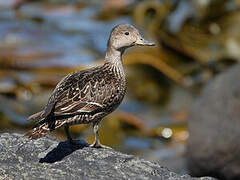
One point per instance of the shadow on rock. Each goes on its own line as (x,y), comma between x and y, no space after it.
(62,150)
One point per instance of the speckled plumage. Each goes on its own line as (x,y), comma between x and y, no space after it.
(89,95)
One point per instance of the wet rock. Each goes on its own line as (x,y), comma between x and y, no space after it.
(214,128)
(46,158)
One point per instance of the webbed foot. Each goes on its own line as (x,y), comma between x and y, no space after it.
(99,145)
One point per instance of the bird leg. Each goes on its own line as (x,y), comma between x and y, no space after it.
(66,129)
(96,143)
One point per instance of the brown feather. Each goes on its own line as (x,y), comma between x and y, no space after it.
(36,116)
(36,132)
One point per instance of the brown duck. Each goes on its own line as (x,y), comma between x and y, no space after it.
(89,95)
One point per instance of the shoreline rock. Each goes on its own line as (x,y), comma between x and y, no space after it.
(213,144)
(47,158)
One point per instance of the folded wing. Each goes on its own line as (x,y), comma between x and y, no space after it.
(78,93)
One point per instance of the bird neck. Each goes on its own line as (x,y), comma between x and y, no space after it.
(113,55)
(114,58)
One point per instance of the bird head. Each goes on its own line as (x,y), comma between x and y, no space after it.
(124,36)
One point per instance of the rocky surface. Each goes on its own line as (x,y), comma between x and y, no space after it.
(47,158)
(214,128)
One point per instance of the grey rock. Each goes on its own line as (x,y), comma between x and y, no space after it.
(47,158)
(214,128)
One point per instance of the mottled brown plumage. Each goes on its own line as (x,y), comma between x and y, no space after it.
(89,95)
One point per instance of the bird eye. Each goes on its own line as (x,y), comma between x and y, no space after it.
(126,33)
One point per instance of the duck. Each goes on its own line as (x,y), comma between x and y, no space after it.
(87,96)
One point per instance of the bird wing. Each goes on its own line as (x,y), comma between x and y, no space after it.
(79,92)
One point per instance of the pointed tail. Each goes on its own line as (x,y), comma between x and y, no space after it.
(38,132)
(44,125)
(40,129)
(37,116)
